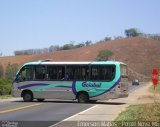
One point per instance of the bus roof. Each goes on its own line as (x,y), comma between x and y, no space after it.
(72,63)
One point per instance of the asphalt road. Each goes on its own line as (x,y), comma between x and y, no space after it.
(47,113)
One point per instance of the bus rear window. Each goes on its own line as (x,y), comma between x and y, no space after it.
(124,71)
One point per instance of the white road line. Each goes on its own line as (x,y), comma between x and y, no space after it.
(74,115)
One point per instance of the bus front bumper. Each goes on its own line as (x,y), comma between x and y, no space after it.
(16,93)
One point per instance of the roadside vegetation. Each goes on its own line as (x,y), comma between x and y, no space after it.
(142,112)
(5,96)
(5,86)
(6,77)
(156,90)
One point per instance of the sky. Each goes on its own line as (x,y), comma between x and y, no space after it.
(31,24)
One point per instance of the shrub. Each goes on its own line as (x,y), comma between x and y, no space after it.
(5,86)
(1,71)
(132,32)
(11,70)
(104,55)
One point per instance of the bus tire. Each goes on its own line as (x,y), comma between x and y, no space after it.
(40,99)
(27,97)
(83,97)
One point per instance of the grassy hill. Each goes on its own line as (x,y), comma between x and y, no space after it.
(141,54)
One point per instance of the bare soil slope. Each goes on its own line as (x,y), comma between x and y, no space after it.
(141,54)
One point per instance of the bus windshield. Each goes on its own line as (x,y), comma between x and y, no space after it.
(25,74)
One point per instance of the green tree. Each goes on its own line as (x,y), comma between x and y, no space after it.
(88,43)
(54,48)
(1,71)
(155,36)
(107,38)
(5,86)
(132,32)
(79,45)
(68,46)
(104,55)
(11,70)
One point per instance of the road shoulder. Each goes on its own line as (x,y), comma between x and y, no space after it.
(109,110)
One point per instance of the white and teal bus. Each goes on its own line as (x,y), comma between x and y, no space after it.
(83,81)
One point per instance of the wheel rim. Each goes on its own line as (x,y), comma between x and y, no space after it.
(27,97)
(83,98)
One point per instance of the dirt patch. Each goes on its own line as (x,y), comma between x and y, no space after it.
(155,98)
(146,95)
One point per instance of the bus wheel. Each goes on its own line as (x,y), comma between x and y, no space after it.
(27,97)
(83,97)
(40,99)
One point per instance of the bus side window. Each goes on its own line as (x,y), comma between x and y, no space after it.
(110,73)
(55,73)
(76,72)
(85,72)
(70,72)
(51,73)
(102,72)
(40,72)
(60,72)
(95,72)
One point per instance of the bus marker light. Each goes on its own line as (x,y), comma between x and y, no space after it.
(119,86)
